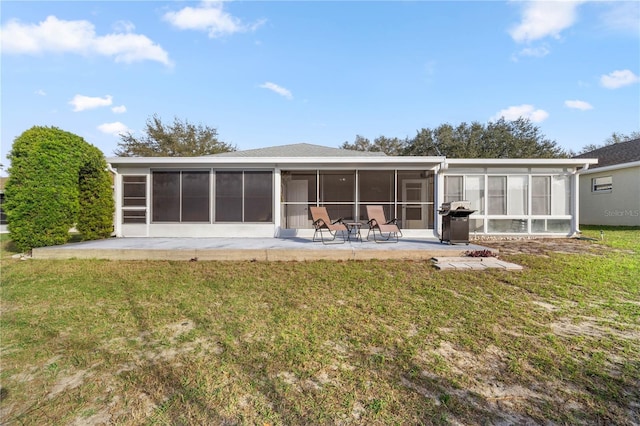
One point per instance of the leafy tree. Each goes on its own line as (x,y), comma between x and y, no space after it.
(613,139)
(390,146)
(499,139)
(95,217)
(180,139)
(56,180)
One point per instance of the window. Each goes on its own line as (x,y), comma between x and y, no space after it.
(560,195)
(541,195)
(134,216)
(452,188)
(134,190)
(166,196)
(244,196)
(134,199)
(497,195)
(195,196)
(507,195)
(181,196)
(474,192)
(376,186)
(602,184)
(405,194)
(338,193)
(258,195)
(517,195)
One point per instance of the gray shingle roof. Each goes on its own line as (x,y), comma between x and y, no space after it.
(617,153)
(300,150)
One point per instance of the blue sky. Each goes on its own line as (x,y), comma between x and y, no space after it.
(270,73)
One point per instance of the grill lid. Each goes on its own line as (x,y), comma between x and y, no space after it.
(456,205)
(456,208)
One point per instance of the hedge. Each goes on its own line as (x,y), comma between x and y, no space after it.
(56,181)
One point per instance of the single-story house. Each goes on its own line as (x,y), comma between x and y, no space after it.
(267,192)
(610,190)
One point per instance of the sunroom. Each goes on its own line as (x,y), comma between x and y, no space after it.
(515,196)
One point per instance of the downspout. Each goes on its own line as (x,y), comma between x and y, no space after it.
(576,198)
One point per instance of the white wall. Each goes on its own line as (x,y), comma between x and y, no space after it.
(618,207)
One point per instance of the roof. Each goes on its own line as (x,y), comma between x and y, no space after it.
(614,154)
(299,150)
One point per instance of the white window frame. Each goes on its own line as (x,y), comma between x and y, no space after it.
(602,184)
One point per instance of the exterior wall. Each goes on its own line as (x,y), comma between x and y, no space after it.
(405,194)
(618,207)
(275,228)
(554,213)
(182,229)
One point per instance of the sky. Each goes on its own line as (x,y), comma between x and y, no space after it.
(267,73)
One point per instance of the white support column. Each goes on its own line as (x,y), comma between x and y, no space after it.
(117,195)
(438,182)
(575,197)
(277,205)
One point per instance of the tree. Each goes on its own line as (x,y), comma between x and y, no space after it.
(613,139)
(180,139)
(56,181)
(499,139)
(390,146)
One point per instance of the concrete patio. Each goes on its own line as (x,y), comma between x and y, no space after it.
(252,249)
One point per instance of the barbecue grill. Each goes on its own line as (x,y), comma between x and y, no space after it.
(455,222)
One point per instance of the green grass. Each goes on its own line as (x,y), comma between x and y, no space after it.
(369,342)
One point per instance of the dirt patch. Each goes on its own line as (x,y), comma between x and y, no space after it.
(481,374)
(592,327)
(544,246)
(69,382)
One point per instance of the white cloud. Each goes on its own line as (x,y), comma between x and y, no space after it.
(622,16)
(525,111)
(124,26)
(40,92)
(82,103)
(535,52)
(115,129)
(209,17)
(543,18)
(619,78)
(277,89)
(581,105)
(119,109)
(60,36)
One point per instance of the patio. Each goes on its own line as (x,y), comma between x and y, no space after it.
(251,249)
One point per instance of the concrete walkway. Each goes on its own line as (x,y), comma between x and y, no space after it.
(473,263)
(260,249)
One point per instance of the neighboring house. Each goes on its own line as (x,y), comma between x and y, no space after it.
(610,190)
(267,192)
(3,217)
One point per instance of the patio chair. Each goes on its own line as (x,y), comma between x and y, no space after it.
(379,223)
(322,224)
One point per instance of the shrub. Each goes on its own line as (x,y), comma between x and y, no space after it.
(56,180)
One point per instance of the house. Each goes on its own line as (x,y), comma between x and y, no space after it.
(610,191)
(267,192)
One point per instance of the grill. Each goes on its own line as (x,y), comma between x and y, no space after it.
(455,222)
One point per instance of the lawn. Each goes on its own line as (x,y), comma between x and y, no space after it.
(353,342)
